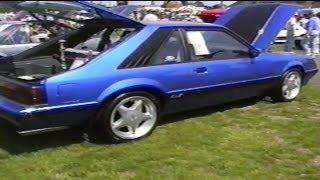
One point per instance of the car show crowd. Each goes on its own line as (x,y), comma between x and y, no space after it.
(311,24)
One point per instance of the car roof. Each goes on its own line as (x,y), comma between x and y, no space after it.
(178,24)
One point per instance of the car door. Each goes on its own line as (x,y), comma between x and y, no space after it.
(182,81)
(230,70)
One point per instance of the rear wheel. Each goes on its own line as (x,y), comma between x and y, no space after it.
(290,86)
(130,116)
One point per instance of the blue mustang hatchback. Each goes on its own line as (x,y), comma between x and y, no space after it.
(138,71)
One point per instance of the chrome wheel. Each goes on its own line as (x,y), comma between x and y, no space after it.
(133,117)
(291,85)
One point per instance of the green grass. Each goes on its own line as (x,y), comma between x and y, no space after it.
(245,140)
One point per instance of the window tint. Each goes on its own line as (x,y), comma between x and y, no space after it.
(214,45)
(171,51)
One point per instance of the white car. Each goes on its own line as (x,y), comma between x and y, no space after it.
(298,33)
(15,38)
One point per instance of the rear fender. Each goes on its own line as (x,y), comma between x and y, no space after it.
(129,85)
(294,64)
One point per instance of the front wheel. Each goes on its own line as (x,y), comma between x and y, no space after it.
(128,117)
(290,86)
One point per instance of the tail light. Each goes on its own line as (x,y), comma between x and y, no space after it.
(24,93)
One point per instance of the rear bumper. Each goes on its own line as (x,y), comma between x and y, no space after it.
(29,120)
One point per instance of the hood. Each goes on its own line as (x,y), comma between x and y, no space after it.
(258,24)
(90,10)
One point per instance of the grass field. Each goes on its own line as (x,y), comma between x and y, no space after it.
(249,139)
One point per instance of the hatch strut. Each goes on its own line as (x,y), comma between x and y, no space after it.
(62,54)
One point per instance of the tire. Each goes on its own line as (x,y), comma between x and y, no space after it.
(130,116)
(289,87)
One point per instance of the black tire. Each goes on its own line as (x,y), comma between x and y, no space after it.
(277,93)
(99,128)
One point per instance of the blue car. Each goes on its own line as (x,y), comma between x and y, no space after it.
(142,70)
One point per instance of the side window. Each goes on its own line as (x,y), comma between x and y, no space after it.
(214,45)
(171,51)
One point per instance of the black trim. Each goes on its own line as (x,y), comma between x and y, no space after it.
(183,38)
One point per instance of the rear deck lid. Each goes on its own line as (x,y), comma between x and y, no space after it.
(72,8)
(258,24)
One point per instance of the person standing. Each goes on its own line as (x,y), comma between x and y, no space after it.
(312,36)
(150,16)
(303,21)
(290,38)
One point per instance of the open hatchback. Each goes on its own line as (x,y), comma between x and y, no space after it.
(99,30)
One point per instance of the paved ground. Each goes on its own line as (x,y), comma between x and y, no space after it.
(316,80)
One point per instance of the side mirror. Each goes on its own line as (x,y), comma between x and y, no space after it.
(254,53)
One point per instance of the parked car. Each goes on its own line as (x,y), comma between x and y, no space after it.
(121,89)
(15,37)
(210,15)
(299,34)
(19,36)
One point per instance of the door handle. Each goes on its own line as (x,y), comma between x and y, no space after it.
(200,70)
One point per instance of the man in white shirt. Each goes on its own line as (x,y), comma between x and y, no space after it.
(290,27)
(150,17)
